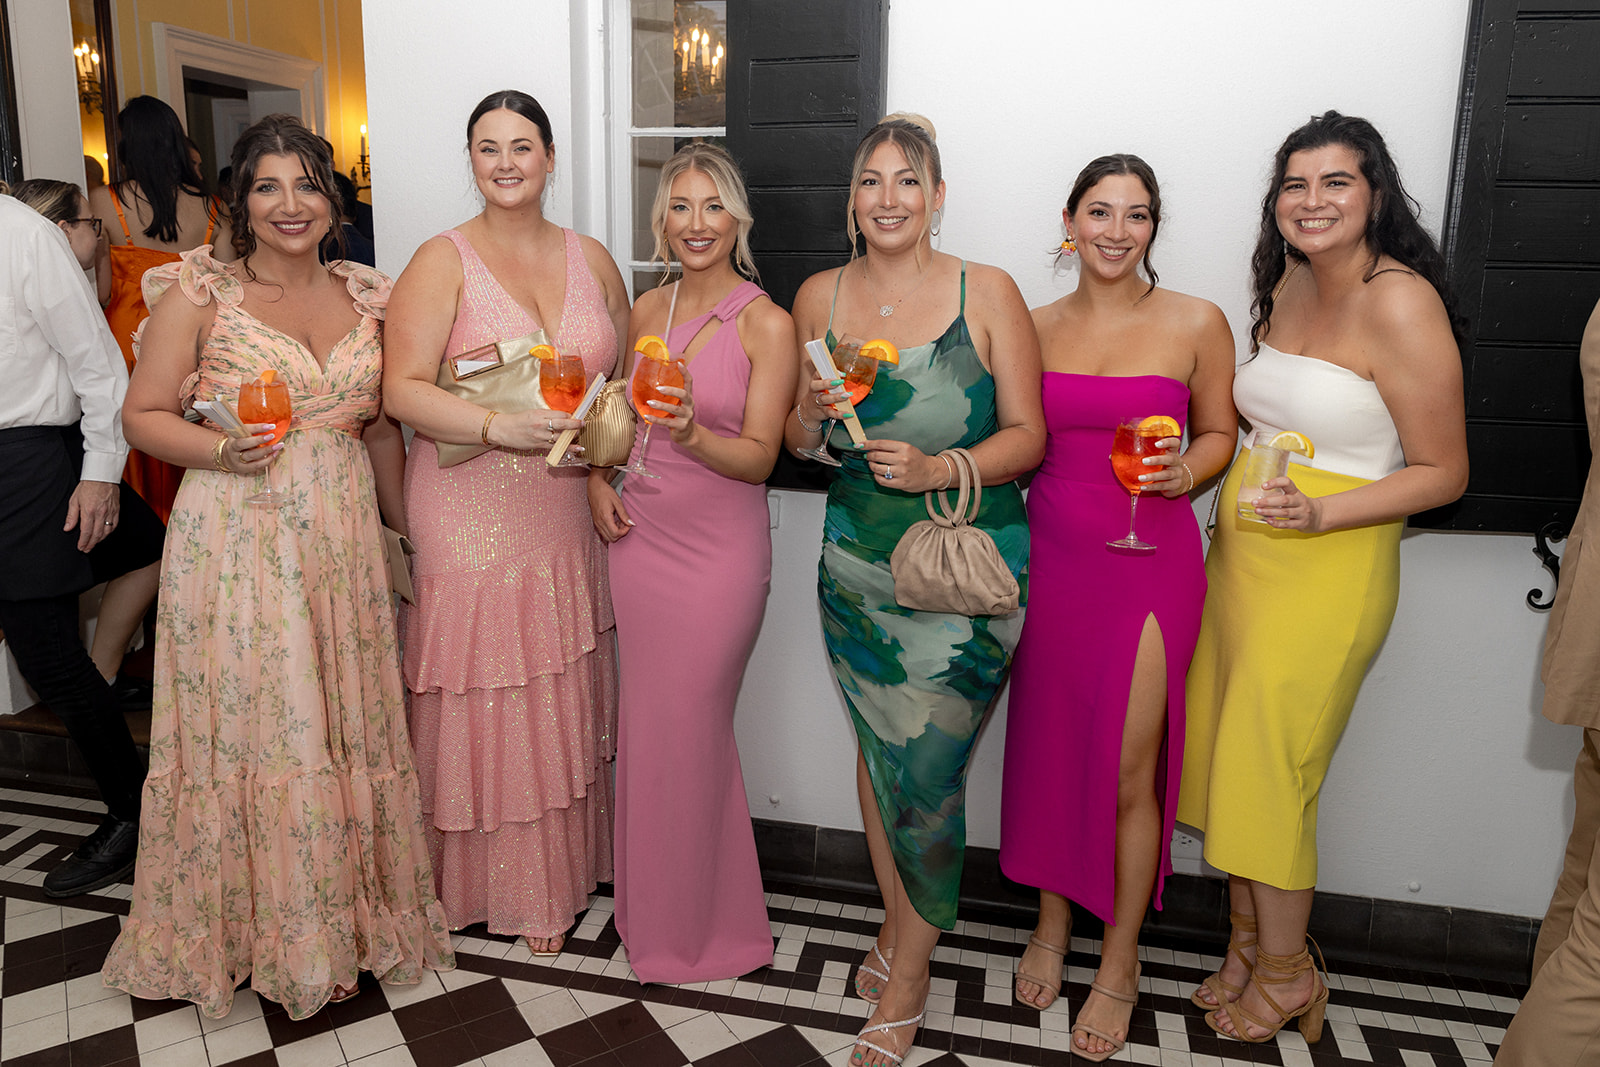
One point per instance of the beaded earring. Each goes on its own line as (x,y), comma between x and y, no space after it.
(1069,247)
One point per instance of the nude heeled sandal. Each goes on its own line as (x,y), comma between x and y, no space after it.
(1226,992)
(1054,986)
(1281,970)
(1116,1045)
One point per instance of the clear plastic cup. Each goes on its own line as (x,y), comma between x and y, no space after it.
(1262,465)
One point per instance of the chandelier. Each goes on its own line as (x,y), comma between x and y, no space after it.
(87,59)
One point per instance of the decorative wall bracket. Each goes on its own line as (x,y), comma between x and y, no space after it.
(1542,539)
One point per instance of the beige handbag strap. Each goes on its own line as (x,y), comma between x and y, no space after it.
(968,496)
(977,483)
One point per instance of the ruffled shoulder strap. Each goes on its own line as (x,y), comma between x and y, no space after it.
(369,288)
(198,277)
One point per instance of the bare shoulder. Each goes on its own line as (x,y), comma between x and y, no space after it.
(1192,313)
(652,302)
(1397,300)
(597,256)
(986,280)
(816,292)
(435,260)
(766,318)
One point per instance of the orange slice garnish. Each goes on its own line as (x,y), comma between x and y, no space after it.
(882,351)
(543,351)
(652,347)
(267,376)
(1160,426)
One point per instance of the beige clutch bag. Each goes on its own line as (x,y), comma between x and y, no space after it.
(396,547)
(608,429)
(502,377)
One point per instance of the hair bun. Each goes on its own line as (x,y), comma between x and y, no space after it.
(915,119)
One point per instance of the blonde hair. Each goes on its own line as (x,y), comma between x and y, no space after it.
(914,135)
(715,163)
(55,200)
(5,190)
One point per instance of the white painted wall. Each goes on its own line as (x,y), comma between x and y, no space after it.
(47,91)
(1447,777)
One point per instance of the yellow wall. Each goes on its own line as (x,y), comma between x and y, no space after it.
(324,31)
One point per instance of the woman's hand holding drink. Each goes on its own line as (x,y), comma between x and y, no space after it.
(1135,444)
(655,368)
(1266,461)
(266,400)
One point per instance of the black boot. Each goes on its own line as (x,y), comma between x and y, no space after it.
(104,857)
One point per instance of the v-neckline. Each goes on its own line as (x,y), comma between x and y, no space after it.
(322,366)
(566,285)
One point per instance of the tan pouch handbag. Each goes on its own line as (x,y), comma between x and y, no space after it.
(503,376)
(945,564)
(608,429)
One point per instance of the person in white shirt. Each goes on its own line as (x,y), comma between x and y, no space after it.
(66,521)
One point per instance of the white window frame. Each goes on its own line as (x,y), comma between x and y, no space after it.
(622,133)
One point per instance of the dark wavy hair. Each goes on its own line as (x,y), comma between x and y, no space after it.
(153,153)
(282,135)
(522,104)
(1110,166)
(1393,229)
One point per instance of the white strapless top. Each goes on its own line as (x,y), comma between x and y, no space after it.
(1338,409)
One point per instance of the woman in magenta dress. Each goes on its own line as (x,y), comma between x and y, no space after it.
(509,654)
(1094,737)
(691,558)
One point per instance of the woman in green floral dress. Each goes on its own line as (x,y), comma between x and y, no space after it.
(918,684)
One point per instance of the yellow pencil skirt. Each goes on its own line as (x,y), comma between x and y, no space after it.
(1291,622)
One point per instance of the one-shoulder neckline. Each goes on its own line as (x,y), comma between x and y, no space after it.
(1324,362)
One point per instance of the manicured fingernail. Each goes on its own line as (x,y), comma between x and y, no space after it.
(629,522)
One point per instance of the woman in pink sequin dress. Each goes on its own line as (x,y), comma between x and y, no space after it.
(509,651)
(281,834)
(691,553)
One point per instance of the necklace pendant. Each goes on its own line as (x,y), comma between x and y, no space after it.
(886,310)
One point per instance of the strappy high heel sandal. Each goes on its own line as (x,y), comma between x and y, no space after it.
(1226,992)
(882,976)
(1281,970)
(884,1028)
(1116,1045)
(1054,986)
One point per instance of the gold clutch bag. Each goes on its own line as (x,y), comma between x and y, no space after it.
(608,429)
(503,376)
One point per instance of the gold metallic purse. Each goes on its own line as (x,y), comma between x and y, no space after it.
(609,428)
(503,376)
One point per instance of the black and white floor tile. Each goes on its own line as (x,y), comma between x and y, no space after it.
(502,1007)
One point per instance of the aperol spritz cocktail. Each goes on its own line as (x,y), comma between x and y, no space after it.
(857,363)
(266,399)
(654,369)
(562,379)
(1134,441)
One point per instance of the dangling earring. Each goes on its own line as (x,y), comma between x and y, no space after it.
(938,222)
(1069,247)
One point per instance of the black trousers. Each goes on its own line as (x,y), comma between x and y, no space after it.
(43,636)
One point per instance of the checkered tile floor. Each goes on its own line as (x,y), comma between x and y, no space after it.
(501,1007)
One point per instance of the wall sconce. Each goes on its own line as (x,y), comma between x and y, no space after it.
(87,59)
(361,173)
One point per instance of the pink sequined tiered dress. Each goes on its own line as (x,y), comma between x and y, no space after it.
(510,653)
(691,584)
(281,837)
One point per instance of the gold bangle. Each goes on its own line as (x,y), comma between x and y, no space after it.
(217,455)
(949,471)
(487,419)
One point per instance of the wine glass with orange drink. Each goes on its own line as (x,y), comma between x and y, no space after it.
(561,381)
(654,369)
(266,399)
(1135,440)
(857,363)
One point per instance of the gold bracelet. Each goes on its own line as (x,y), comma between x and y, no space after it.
(217,454)
(487,419)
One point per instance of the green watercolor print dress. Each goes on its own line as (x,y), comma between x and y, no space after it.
(918,684)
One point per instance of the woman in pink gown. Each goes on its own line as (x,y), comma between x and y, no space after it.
(281,837)
(1094,734)
(691,557)
(509,653)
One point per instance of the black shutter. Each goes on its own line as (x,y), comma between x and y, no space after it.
(806,82)
(1523,240)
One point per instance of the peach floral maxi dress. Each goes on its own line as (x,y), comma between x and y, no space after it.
(281,835)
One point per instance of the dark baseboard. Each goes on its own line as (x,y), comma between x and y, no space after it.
(1349,929)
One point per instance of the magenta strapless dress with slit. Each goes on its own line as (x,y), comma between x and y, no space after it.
(1087,606)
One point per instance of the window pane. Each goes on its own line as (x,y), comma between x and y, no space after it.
(646,280)
(649,155)
(680,62)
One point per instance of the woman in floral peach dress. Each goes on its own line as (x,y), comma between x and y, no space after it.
(281,837)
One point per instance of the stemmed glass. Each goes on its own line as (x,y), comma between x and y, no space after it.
(859,372)
(562,379)
(267,400)
(649,375)
(1135,439)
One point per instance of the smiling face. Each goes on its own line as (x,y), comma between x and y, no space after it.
(287,212)
(700,230)
(510,162)
(892,209)
(1324,202)
(1113,225)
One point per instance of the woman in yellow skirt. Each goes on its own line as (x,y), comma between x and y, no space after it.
(1356,348)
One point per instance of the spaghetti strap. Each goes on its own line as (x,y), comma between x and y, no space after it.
(213,206)
(963,287)
(117,203)
(835,303)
